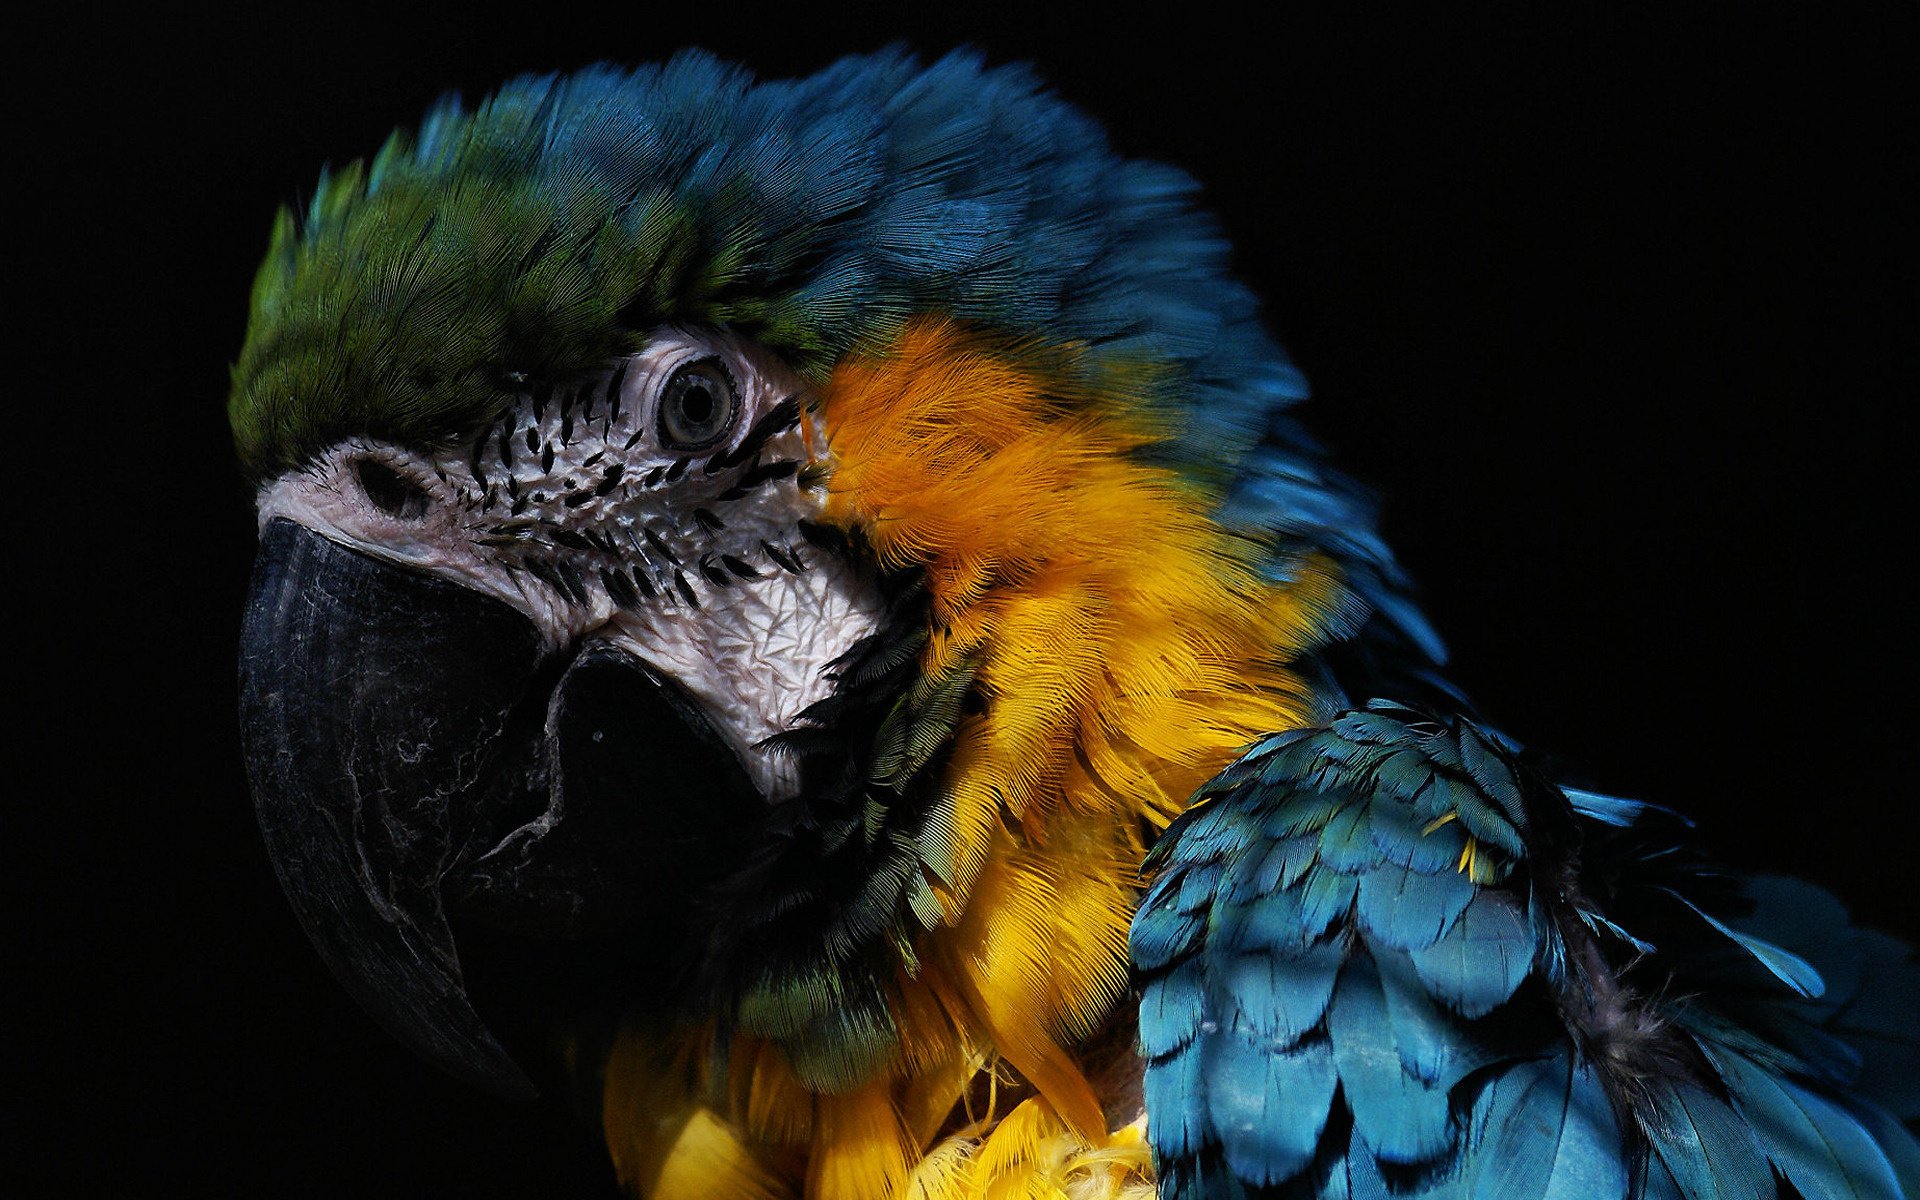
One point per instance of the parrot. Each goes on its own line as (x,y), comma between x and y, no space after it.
(801,618)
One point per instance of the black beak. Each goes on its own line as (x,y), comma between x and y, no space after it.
(417,754)
(371,698)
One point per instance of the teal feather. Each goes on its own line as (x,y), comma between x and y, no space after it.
(1178,1119)
(1710,1152)
(1897,1142)
(1789,968)
(1551,1134)
(1401,1117)
(1493,773)
(1281,1000)
(1402,838)
(1612,810)
(1309,813)
(1871,1005)
(1411,910)
(1174,1014)
(1360,1179)
(1172,935)
(1325,897)
(1881,1018)
(1653,1181)
(1434,1046)
(1267,1106)
(1284,862)
(1346,842)
(1275,924)
(1823,1149)
(1482,960)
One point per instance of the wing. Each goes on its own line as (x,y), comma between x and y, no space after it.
(1388,958)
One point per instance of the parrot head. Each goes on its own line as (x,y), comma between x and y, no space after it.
(781,549)
(541,678)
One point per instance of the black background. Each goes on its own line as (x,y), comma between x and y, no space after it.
(1616,312)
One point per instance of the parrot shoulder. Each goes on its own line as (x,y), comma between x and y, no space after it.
(1387,956)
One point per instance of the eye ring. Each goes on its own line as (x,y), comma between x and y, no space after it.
(698,405)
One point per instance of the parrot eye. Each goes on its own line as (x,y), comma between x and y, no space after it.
(698,405)
(390,491)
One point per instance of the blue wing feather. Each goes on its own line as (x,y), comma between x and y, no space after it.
(1412,909)
(1267,1106)
(1433,1046)
(1282,1002)
(1817,1145)
(1175,1012)
(1558,1136)
(1399,1116)
(1871,1006)
(1479,965)
(1789,968)
(1897,1142)
(1710,1151)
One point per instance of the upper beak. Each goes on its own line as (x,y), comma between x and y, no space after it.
(371,699)
(413,747)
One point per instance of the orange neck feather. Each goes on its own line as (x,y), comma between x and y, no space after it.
(1126,648)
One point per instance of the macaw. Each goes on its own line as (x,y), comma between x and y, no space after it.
(809,604)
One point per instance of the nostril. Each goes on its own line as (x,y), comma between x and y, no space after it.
(391,492)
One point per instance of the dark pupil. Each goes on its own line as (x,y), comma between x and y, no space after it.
(391,492)
(696,404)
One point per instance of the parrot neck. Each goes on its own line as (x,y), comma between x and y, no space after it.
(1120,648)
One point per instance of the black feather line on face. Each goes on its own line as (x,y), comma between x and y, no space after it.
(475,460)
(714,574)
(767,472)
(618,560)
(619,590)
(777,420)
(660,547)
(787,560)
(575,581)
(613,392)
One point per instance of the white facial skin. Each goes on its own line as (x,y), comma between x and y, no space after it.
(580,510)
